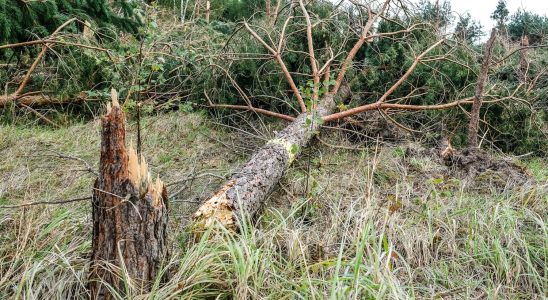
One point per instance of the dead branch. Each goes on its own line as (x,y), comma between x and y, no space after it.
(47,202)
(350,57)
(278,57)
(377,105)
(15,95)
(52,41)
(75,158)
(249,108)
(41,116)
(474,117)
(409,71)
(313,62)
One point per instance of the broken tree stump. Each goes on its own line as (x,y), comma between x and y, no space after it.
(129,216)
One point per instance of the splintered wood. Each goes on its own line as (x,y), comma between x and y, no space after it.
(129,215)
(218,208)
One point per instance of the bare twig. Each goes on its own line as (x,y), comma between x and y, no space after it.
(66,156)
(280,61)
(250,108)
(47,202)
(357,46)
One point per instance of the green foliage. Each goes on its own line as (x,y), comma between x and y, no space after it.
(468,30)
(221,10)
(237,10)
(500,15)
(534,26)
(26,20)
(170,67)
(439,14)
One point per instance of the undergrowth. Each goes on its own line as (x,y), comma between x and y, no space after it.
(373,224)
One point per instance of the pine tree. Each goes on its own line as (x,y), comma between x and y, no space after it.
(467,29)
(26,20)
(500,15)
(524,23)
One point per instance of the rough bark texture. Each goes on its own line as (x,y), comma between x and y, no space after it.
(129,216)
(478,99)
(248,187)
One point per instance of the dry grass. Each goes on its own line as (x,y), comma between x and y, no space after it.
(373,224)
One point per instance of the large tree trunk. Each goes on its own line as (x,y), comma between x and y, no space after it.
(129,216)
(478,99)
(247,189)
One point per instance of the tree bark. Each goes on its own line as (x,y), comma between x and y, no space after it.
(478,99)
(249,187)
(38,100)
(129,216)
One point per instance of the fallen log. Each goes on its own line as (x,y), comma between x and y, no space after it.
(129,216)
(247,188)
(38,100)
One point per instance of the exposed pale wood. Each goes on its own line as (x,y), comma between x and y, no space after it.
(246,190)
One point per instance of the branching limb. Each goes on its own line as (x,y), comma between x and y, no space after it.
(407,30)
(365,32)
(409,71)
(313,62)
(249,108)
(15,95)
(380,106)
(280,61)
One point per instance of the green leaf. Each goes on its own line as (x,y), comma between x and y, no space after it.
(294,149)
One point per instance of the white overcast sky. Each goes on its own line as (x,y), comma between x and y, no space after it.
(481,9)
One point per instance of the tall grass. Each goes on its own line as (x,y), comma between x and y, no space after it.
(371,227)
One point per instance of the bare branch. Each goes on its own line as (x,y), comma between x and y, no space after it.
(280,61)
(313,62)
(358,45)
(409,71)
(249,108)
(379,105)
(282,35)
(46,202)
(474,114)
(259,39)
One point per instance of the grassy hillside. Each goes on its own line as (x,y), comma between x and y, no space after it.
(377,222)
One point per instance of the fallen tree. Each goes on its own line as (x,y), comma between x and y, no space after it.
(38,98)
(245,191)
